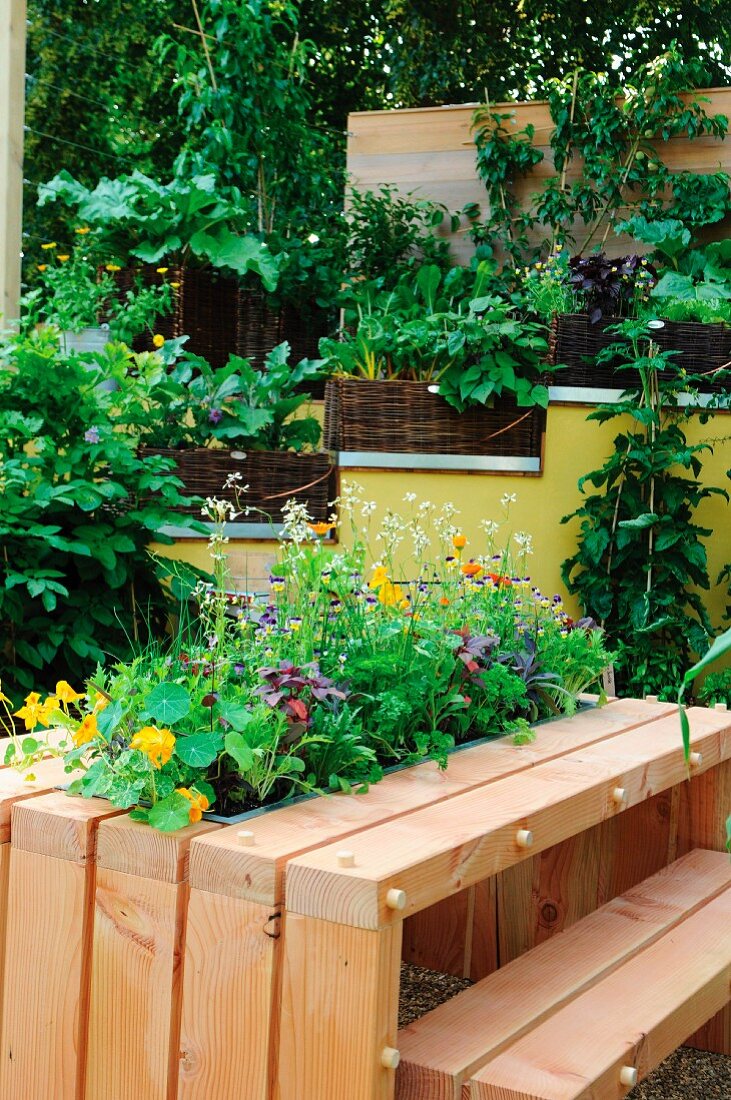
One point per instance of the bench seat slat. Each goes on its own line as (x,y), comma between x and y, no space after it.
(440,1051)
(635,1016)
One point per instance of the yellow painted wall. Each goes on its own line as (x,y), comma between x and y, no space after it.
(573,447)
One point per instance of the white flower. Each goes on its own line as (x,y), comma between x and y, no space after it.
(508,498)
(409,498)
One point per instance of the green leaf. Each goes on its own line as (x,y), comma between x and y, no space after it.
(721,646)
(199,750)
(168,703)
(235,714)
(29,745)
(109,718)
(649,519)
(170,814)
(238,748)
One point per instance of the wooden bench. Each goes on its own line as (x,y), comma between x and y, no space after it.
(345,909)
(444,1049)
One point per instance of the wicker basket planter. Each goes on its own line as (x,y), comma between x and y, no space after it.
(272,477)
(405,417)
(260,328)
(575,342)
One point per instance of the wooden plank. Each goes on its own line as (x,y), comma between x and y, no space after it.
(16,787)
(339,1011)
(635,1017)
(48,955)
(221,865)
(436,852)
(705,803)
(140,906)
(228,991)
(443,1049)
(437,939)
(12,108)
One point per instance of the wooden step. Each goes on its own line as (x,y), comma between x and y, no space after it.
(608,1038)
(442,1050)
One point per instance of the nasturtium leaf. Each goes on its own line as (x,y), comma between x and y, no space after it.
(170,813)
(235,714)
(29,745)
(198,750)
(168,703)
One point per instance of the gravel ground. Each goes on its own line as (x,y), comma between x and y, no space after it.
(686,1075)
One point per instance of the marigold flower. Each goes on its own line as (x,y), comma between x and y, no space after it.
(198,802)
(113,267)
(51,244)
(66,693)
(470,569)
(158,340)
(157,744)
(87,731)
(64,258)
(320,529)
(42,267)
(459,542)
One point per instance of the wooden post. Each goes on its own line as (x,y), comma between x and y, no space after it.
(12,107)
(139,928)
(50,910)
(705,803)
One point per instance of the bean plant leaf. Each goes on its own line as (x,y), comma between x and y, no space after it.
(170,813)
(649,519)
(168,703)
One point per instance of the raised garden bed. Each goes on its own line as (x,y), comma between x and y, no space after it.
(462,871)
(272,477)
(575,342)
(399,417)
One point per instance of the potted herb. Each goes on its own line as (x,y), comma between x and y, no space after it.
(441,364)
(238,425)
(344,668)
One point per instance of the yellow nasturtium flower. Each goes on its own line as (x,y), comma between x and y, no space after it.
(66,693)
(49,708)
(32,710)
(157,744)
(113,267)
(198,802)
(51,244)
(64,258)
(82,230)
(87,731)
(158,340)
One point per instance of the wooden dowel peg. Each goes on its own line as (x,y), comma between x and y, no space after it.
(246,838)
(390,1058)
(524,838)
(346,858)
(651,699)
(628,1076)
(695,759)
(619,795)
(720,706)
(396,899)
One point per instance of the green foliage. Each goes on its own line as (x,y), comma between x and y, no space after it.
(641,558)
(716,688)
(192,404)
(389,232)
(79,508)
(450,329)
(615,129)
(189,217)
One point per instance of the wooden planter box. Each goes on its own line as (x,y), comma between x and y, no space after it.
(398,417)
(575,343)
(272,477)
(177,967)
(261,327)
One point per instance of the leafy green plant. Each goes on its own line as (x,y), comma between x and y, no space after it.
(73,292)
(191,218)
(447,329)
(389,232)
(79,508)
(196,405)
(641,558)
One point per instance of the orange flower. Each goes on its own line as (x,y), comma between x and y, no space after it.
(87,731)
(459,542)
(64,258)
(82,230)
(444,602)
(155,743)
(43,267)
(320,529)
(470,569)
(198,802)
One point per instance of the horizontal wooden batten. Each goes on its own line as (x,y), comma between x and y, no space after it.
(220,864)
(633,1018)
(443,1049)
(438,851)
